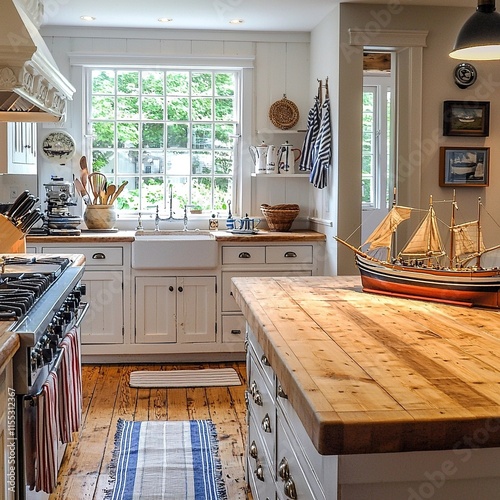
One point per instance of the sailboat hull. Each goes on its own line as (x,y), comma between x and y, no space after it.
(479,288)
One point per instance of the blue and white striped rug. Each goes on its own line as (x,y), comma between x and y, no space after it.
(168,460)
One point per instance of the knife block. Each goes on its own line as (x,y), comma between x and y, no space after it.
(11,239)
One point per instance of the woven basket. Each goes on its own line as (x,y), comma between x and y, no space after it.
(280,217)
(284,114)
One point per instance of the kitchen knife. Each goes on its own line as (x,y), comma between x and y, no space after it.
(30,220)
(23,208)
(16,203)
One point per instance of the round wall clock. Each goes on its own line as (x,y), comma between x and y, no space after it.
(58,146)
(465,75)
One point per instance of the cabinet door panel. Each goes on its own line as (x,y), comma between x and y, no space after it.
(196,309)
(103,323)
(155,309)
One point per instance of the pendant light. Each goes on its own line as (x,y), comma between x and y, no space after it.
(479,38)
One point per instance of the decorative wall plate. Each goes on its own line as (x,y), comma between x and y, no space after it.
(58,146)
(465,75)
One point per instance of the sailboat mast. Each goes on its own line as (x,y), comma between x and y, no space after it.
(479,239)
(391,252)
(452,230)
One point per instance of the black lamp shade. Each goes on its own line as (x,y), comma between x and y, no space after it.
(479,38)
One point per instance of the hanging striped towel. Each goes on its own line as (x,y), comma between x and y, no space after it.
(322,149)
(313,122)
(47,435)
(70,386)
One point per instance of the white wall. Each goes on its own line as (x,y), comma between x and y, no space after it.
(281,66)
(420,165)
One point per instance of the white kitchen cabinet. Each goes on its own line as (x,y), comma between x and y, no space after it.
(290,259)
(105,278)
(19,146)
(7,434)
(175,309)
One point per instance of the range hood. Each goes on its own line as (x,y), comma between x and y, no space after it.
(32,89)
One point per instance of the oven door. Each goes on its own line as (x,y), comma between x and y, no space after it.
(49,417)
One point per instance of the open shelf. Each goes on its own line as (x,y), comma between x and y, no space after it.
(280,175)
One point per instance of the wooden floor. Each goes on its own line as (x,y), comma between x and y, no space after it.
(108,397)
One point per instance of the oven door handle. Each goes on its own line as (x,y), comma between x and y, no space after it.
(83,307)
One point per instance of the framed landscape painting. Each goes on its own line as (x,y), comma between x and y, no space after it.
(466,118)
(464,167)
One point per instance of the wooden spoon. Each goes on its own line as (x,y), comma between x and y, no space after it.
(118,192)
(110,191)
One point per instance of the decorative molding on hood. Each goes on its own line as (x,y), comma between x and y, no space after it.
(31,86)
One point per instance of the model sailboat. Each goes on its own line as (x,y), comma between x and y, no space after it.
(423,269)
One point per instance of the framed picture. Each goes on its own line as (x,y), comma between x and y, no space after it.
(466,118)
(461,167)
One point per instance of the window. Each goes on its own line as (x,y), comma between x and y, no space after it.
(157,128)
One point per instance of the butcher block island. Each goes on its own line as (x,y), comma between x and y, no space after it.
(359,396)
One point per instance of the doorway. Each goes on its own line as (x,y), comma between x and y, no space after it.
(378,141)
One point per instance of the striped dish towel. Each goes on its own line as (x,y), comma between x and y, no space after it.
(70,386)
(47,435)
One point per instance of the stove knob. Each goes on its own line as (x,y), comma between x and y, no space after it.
(46,355)
(67,316)
(36,358)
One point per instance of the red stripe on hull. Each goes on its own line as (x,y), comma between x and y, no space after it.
(465,297)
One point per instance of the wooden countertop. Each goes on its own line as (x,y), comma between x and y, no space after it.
(224,236)
(368,374)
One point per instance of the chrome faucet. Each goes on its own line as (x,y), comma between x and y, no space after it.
(171,217)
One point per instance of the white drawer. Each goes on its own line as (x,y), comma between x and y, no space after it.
(261,360)
(243,255)
(291,473)
(261,407)
(289,254)
(233,329)
(260,468)
(94,256)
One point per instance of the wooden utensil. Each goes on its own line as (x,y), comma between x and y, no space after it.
(97,182)
(118,192)
(83,192)
(110,191)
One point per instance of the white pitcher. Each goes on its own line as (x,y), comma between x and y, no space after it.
(259,157)
(272,159)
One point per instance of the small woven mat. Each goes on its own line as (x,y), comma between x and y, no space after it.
(284,113)
(210,377)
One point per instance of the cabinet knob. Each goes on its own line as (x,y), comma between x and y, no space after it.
(170,288)
(180,289)
(290,255)
(244,255)
(257,398)
(253,450)
(289,489)
(281,392)
(266,424)
(99,256)
(264,360)
(259,472)
(283,469)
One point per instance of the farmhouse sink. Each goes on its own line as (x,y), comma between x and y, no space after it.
(174,250)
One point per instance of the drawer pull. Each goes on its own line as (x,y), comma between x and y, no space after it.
(257,398)
(236,332)
(98,256)
(264,360)
(281,392)
(259,472)
(283,469)
(290,255)
(244,255)
(289,489)
(253,450)
(266,424)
